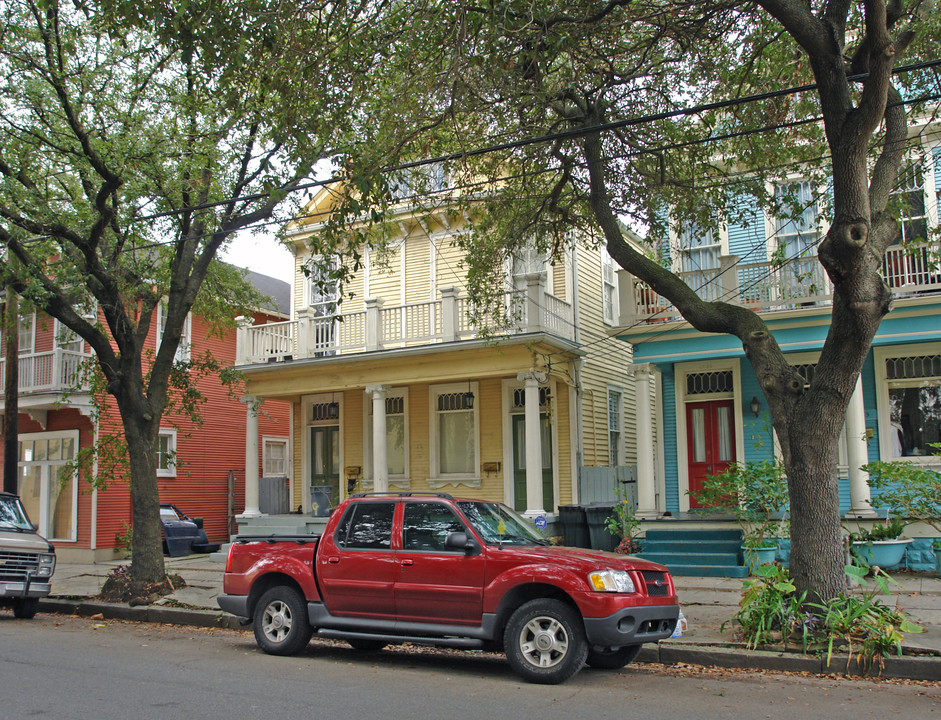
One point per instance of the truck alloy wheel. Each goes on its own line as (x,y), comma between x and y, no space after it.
(280,621)
(545,641)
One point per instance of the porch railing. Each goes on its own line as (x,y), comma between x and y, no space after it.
(799,282)
(53,371)
(447,319)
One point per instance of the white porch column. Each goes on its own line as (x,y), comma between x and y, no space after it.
(251,458)
(646,482)
(857,454)
(380,462)
(534,493)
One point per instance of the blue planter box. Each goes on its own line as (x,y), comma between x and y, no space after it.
(884,553)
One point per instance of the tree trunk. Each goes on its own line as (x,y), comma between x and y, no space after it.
(11,394)
(141,429)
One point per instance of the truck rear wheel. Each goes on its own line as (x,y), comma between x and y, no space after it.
(25,608)
(612,659)
(280,621)
(545,641)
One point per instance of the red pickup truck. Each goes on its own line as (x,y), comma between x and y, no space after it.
(431,569)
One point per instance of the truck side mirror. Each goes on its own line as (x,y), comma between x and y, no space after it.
(461,541)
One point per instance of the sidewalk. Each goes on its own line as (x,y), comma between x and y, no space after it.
(706,602)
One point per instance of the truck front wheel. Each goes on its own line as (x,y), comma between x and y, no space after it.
(544,641)
(25,607)
(280,621)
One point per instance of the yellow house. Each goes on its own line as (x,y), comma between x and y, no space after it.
(393,389)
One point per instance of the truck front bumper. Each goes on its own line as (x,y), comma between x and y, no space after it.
(632,626)
(30,589)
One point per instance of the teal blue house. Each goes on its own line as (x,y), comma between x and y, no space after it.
(698,403)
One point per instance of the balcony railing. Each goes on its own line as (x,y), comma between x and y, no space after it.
(380,328)
(764,286)
(54,371)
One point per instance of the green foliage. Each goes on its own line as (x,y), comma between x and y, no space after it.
(908,489)
(772,612)
(891,529)
(622,522)
(755,493)
(124,539)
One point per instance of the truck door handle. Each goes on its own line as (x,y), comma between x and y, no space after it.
(333,559)
(407,562)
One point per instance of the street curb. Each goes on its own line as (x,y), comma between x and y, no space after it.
(903,668)
(664,653)
(143,613)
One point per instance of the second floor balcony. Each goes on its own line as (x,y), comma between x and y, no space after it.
(450,318)
(768,286)
(58,370)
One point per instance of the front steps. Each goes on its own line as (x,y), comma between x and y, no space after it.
(697,553)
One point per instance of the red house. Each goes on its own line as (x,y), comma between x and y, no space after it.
(201,468)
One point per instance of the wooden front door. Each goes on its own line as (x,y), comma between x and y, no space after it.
(519,463)
(710,441)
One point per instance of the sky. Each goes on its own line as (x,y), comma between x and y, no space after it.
(261,253)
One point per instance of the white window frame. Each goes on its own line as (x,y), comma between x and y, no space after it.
(184,349)
(436,477)
(171,452)
(399,479)
(266,457)
(618,452)
(883,407)
(609,288)
(29,320)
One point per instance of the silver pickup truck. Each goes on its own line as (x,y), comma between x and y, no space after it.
(27,560)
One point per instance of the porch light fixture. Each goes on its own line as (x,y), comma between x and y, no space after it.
(333,409)
(469,397)
(755,406)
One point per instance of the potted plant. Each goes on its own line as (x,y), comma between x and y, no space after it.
(882,544)
(755,493)
(623,524)
(909,490)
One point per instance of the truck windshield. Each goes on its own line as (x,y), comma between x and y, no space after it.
(496,524)
(12,514)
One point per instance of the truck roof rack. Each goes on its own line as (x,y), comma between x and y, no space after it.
(446,496)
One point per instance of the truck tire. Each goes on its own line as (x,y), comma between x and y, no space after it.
(280,621)
(25,608)
(544,641)
(612,659)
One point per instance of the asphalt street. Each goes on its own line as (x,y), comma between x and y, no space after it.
(68,667)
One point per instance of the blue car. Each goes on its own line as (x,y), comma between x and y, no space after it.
(183,535)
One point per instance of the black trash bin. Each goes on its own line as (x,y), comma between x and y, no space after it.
(320,500)
(596,514)
(574,526)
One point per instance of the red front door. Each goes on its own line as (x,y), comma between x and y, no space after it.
(710,441)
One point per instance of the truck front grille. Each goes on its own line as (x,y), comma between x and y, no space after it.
(657,583)
(15,565)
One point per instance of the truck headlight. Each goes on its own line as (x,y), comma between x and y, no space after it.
(618,581)
(47,565)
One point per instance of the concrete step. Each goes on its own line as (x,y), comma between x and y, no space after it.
(716,535)
(691,559)
(708,571)
(731,547)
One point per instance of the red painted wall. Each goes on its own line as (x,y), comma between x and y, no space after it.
(206,452)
